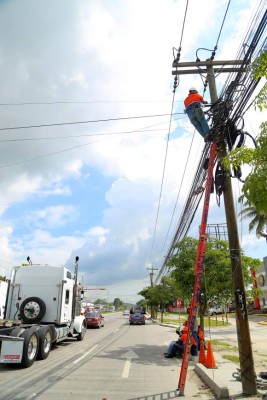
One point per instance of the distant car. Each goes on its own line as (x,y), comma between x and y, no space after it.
(126,312)
(215,310)
(231,308)
(137,318)
(94,319)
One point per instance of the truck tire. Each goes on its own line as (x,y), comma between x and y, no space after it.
(80,336)
(32,310)
(30,347)
(45,342)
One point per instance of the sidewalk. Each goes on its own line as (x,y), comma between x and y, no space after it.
(220,380)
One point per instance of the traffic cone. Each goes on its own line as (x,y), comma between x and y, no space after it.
(210,360)
(202,355)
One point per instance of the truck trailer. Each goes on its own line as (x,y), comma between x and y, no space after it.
(40,311)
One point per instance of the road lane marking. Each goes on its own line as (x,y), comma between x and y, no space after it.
(85,354)
(129,355)
(126,369)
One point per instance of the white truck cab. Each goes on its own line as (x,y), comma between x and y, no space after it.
(40,310)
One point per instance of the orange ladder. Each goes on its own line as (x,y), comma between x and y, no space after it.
(200,258)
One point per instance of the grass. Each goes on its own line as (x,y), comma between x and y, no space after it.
(169,318)
(223,345)
(234,359)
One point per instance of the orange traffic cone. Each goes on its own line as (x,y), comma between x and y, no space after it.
(202,356)
(210,360)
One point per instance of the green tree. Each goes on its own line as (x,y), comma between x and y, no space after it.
(258,220)
(100,301)
(117,303)
(161,294)
(142,303)
(217,284)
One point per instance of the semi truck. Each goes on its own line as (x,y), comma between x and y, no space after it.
(42,308)
(3,293)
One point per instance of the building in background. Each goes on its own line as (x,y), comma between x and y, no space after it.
(261,276)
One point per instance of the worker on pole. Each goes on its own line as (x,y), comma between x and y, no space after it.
(193,108)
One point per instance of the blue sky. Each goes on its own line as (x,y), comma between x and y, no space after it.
(92,189)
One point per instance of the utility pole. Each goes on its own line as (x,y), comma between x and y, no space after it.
(152,283)
(248,376)
(152,274)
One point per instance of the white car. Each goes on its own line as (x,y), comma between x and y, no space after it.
(216,310)
(126,312)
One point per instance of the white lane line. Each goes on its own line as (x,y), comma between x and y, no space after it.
(85,354)
(126,369)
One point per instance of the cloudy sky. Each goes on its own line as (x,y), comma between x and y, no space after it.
(97,74)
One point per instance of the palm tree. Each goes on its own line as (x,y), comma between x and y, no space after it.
(258,219)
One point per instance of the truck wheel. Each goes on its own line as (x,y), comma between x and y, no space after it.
(80,336)
(32,310)
(30,347)
(45,342)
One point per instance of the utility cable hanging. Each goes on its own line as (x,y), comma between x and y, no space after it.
(215,48)
(162,179)
(178,195)
(177,58)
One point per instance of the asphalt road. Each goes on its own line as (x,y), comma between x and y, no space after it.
(117,362)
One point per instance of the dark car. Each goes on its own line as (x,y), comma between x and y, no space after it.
(137,318)
(94,319)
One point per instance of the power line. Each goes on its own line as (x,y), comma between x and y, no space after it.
(162,179)
(143,129)
(178,195)
(222,24)
(85,122)
(51,154)
(83,102)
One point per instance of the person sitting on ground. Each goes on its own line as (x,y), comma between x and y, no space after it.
(176,348)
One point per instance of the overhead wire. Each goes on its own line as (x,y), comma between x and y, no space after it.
(68,149)
(46,103)
(178,195)
(167,145)
(161,185)
(143,129)
(85,122)
(215,48)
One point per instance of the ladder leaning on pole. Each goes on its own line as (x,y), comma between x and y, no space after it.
(200,257)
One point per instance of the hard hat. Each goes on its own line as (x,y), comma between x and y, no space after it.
(192,89)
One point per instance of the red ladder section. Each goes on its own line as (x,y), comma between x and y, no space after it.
(200,257)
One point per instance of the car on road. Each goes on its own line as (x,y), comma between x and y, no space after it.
(126,312)
(94,319)
(137,318)
(215,310)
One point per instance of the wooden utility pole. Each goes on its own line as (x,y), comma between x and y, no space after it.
(248,376)
(152,283)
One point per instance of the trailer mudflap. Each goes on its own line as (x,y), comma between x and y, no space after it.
(11,349)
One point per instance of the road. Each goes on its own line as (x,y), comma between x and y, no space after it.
(117,362)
